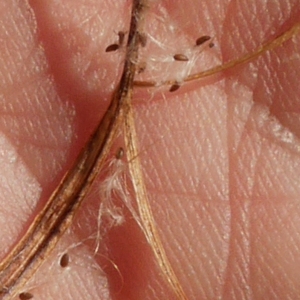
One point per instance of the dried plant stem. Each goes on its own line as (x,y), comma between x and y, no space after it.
(278,41)
(147,220)
(58,213)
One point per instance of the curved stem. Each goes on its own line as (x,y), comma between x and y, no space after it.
(278,41)
(58,213)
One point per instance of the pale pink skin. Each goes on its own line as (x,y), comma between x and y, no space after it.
(221,156)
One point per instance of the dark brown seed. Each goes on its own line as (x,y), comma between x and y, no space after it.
(112,47)
(120,153)
(121,35)
(144,83)
(143,39)
(180,57)
(25,296)
(174,87)
(141,67)
(64,260)
(210,45)
(201,40)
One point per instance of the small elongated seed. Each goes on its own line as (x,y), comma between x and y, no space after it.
(141,67)
(112,47)
(121,35)
(142,39)
(64,260)
(25,296)
(180,57)
(120,153)
(201,40)
(174,87)
(144,83)
(211,44)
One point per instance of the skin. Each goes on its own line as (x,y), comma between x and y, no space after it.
(220,156)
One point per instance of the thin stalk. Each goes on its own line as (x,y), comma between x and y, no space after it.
(145,212)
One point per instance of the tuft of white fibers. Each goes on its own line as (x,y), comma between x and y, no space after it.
(114,187)
(164,41)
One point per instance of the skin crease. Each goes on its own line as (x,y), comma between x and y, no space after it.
(220,156)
